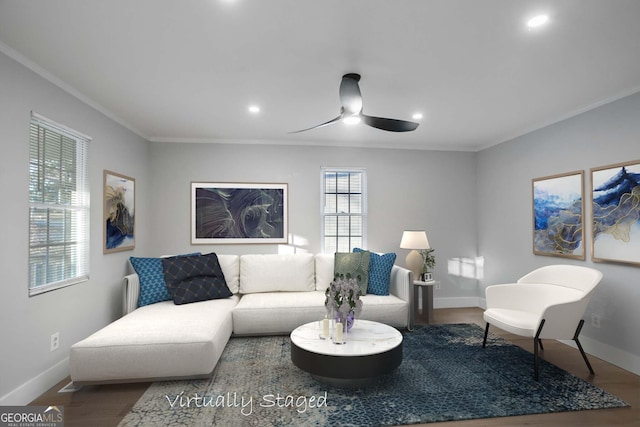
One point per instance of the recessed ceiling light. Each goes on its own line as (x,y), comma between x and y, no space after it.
(254,109)
(417,116)
(537,21)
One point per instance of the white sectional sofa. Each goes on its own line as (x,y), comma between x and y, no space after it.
(272,295)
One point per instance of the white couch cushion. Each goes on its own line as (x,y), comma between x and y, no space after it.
(324,271)
(277,312)
(387,309)
(230,265)
(156,341)
(276,272)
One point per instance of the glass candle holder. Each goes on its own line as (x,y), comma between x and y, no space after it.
(325,328)
(339,333)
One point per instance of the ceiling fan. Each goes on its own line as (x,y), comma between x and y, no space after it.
(351,110)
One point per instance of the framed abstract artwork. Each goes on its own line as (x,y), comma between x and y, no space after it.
(223,213)
(558,215)
(615,197)
(119,212)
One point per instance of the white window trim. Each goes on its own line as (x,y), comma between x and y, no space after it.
(364,214)
(73,134)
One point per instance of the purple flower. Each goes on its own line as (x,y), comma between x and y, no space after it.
(343,296)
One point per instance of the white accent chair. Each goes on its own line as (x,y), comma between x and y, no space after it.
(547,303)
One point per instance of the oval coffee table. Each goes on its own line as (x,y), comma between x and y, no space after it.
(372,349)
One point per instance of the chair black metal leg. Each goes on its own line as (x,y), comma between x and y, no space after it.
(584,355)
(536,341)
(535,359)
(486,332)
(540,344)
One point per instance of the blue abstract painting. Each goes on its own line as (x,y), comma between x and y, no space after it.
(558,212)
(616,213)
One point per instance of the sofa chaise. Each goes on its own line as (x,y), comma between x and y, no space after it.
(271,295)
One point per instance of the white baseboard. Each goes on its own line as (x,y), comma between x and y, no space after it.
(615,356)
(457,302)
(33,388)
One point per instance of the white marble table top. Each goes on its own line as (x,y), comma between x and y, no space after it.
(364,338)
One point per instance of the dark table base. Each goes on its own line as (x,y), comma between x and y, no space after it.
(346,370)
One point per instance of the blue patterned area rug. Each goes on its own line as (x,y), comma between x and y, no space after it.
(445,375)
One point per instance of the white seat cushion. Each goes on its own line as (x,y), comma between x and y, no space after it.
(282,312)
(277,312)
(156,341)
(517,322)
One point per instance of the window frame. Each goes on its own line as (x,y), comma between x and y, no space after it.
(69,212)
(323,214)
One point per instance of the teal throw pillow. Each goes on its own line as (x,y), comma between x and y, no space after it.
(380,266)
(354,265)
(153,288)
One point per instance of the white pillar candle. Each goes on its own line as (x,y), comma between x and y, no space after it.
(325,328)
(339,332)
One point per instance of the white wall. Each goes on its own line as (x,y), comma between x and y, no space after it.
(427,190)
(607,135)
(28,367)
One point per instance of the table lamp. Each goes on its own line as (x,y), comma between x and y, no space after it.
(412,239)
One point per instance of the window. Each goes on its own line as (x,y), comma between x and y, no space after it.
(344,209)
(58,206)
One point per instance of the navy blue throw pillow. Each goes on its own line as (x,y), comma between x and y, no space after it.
(193,279)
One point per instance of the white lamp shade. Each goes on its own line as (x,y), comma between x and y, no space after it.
(414,240)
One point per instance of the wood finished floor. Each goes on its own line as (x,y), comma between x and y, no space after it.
(106,405)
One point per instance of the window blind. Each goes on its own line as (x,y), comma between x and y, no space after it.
(344,209)
(59,206)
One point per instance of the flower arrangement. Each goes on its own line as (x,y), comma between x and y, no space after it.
(343,296)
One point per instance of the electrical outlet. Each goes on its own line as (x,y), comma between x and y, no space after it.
(55,341)
(595,320)
(437,285)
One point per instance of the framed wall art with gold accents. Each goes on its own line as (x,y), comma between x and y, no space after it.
(119,212)
(558,215)
(615,198)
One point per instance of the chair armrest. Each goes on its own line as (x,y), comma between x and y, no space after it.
(131,292)
(561,320)
(400,283)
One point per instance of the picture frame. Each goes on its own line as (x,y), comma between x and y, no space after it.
(119,212)
(239,213)
(558,215)
(615,201)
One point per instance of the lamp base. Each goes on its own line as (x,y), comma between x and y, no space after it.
(414,263)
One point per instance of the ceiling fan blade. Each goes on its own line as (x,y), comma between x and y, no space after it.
(392,125)
(350,95)
(320,125)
